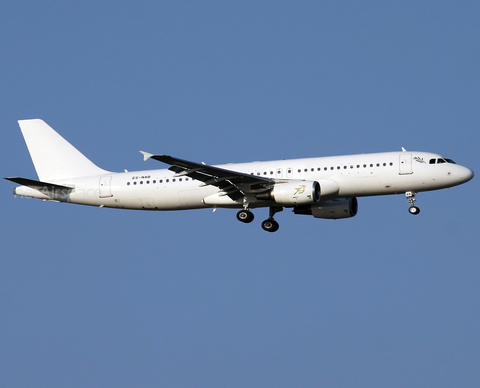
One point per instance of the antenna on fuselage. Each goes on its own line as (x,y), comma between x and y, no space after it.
(404,150)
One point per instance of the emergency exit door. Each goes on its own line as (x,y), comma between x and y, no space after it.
(105,187)
(405,164)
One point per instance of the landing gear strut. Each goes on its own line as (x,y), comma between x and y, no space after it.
(270,225)
(411,200)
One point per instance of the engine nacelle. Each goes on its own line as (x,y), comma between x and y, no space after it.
(333,209)
(293,193)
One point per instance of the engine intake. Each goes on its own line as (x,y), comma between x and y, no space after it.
(333,209)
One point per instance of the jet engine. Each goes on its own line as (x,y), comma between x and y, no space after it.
(333,209)
(293,193)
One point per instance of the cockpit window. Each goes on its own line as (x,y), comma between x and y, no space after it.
(441,160)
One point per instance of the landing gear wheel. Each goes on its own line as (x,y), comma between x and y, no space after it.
(411,200)
(245,216)
(414,210)
(270,225)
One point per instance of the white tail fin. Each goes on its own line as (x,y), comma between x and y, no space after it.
(54,157)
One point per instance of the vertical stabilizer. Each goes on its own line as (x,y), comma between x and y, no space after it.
(54,157)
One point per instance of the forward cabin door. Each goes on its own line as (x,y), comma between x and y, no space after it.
(405,164)
(105,187)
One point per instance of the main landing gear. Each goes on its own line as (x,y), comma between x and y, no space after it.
(245,216)
(270,225)
(411,200)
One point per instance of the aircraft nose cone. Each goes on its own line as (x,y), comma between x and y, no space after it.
(469,175)
(466,174)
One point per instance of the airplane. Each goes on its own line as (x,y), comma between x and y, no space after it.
(322,187)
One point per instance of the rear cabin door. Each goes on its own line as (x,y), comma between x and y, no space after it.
(405,164)
(105,187)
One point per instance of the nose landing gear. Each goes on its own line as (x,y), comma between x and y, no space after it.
(411,200)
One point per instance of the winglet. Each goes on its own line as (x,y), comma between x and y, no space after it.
(146,155)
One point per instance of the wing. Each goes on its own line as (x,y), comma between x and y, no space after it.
(232,183)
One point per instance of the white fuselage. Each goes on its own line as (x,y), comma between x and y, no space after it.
(355,175)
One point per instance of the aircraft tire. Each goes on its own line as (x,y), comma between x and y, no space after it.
(414,210)
(245,216)
(270,225)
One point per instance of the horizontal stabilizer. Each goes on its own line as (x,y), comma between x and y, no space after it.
(37,185)
(43,190)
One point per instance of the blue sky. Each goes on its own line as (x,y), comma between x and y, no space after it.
(99,297)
